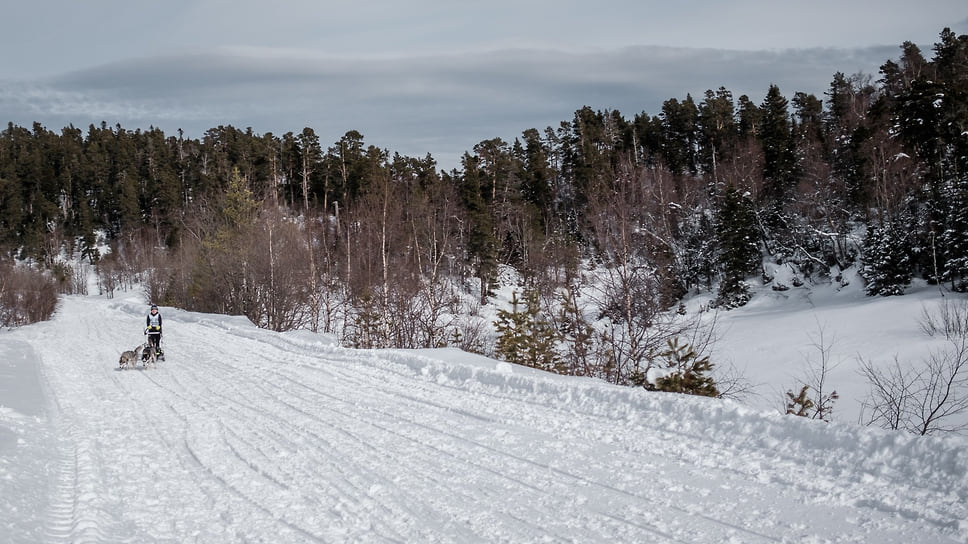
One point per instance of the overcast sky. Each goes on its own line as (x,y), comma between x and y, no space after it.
(428,76)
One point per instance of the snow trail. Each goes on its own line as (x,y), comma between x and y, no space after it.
(244,435)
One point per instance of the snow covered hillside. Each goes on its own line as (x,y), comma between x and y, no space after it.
(244,435)
(775,341)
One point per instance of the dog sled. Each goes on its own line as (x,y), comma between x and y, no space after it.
(152,351)
(148,353)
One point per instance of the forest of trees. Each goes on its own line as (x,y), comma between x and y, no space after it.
(607,219)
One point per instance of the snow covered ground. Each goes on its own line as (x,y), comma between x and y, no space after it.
(775,340)
(244,435)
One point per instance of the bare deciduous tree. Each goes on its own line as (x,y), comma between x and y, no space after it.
(928,398)
(950,319)
(278,268)
(814,397)
(817,374)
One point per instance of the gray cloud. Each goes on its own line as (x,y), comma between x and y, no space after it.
(438,104)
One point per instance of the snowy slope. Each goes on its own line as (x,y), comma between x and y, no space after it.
(776,339)
(244,435)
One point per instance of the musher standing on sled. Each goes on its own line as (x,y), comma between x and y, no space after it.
(153,330)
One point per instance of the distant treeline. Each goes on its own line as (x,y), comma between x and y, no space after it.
(292,232)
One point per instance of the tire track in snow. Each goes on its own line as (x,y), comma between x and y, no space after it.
(61,518)
(444,430)
(542,485)
(70,516)
(266,401)
(217,470)
(348,467)
(102,425)
(195,459)
(435,453)
(203,479)
(528,516)
(801,476)
(816,488)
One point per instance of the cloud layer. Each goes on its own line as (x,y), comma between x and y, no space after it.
(440,104)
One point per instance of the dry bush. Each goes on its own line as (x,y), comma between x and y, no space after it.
(950,319)
(473,335)
(26,296)
(70,279)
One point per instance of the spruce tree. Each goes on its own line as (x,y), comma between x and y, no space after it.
(887,260)
(577,333)
(779,157)
(481,245)
(954,240)
(680,135)
(718,130)
(739,251)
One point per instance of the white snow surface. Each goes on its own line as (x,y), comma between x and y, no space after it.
(244,435)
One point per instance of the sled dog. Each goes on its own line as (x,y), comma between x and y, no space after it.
(129,358)
(151,358)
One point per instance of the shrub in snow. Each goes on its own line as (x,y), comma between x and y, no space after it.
(733,293)
(689,371)
(525,337)
(26,296)
(820,407)
(799,404)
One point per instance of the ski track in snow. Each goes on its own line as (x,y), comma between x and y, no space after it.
(244,435)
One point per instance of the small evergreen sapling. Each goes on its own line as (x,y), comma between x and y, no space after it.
(799,405)
(690,371)
(578,334)
(525,337)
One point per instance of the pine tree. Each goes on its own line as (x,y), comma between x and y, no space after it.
(690,371)
(11,210)
(368,327)
(718,129)
(536,178)
(220,279)
(820,407)
(525,337)
(578,334)
(481,245)
(680,133)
